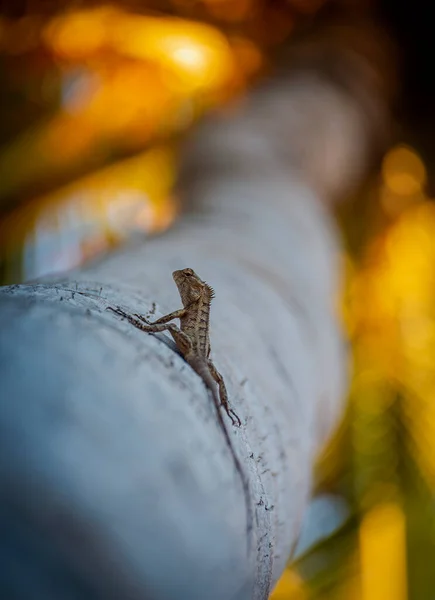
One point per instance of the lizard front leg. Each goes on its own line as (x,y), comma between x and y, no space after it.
(223,394)
(177,314)
(182,341)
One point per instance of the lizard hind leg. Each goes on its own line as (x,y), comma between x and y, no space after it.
(223,394)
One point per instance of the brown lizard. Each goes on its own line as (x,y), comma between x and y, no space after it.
(193,341)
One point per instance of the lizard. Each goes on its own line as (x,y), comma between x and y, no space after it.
(192,339)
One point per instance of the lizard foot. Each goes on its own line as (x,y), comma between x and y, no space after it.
(118,311)
(234,417)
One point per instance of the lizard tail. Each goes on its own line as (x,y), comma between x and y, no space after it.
(203,371)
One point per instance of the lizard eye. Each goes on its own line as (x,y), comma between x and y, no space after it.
(188,273)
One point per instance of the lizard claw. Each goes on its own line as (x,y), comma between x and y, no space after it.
(118,311)
(235,420)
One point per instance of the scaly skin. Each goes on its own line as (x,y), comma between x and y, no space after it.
(193,341)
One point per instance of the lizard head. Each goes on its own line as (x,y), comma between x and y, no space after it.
(190,286)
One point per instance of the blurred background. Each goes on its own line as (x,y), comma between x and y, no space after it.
(95,99)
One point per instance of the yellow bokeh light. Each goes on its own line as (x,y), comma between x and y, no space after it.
(394,204)
(392,304)
(291,586)
(409,252)
(78,35)
(199,54)
(403,171)
(383,554)
(140,184)
(188,57)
